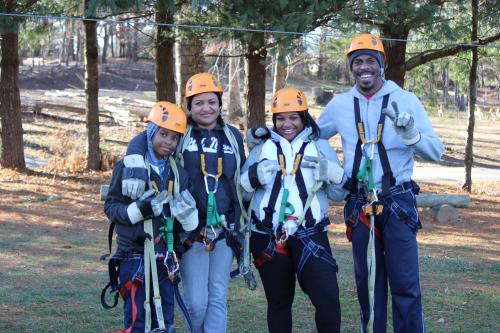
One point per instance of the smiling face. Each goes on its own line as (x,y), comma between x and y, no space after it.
(289,124)
(366,72)
(205,109)
(164,142)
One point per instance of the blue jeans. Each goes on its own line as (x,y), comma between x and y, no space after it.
(134,266)
(396,261)
(205,280)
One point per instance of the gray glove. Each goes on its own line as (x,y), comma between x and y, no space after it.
(133,187)
(184,209)
(266,170)
(148,206)
(404,124)
(256,135)
(324,170)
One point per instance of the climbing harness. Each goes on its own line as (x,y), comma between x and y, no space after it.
(278,238)
(364,175)
(241,227)
(213,220)
(148,274)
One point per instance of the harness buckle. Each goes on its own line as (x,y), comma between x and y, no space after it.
(316,249)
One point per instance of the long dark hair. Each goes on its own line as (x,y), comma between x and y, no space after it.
(307,120)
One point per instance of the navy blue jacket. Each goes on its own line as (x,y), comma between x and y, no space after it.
(130,237)
(226,198)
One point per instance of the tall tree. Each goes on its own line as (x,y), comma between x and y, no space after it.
(164,75)
(92,91)
(12,155)
(234,109)
(469,155)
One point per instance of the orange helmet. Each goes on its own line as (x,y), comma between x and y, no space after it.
(365,42)
(169,116)
(202,83)
(289,100)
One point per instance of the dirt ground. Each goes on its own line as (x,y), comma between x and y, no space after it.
(60,141)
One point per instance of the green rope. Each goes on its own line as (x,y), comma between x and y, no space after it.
(213,217)
(284,205)
(167,233)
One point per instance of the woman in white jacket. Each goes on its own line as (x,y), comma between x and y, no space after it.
(292,176)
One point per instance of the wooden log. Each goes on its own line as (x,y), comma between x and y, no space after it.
(433,200)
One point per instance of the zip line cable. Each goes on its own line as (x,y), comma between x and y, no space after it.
(208,27)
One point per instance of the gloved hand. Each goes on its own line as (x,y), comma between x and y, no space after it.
(256,135)
(147,206)
(133,187)
(324,170)
(184,209)
(291,227)
(403,123)
(266,170)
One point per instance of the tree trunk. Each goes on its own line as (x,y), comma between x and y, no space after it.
(91,95)
(62,50)
(112,39)
(395,53)
(105,44)
(132,43)
(164,76)
(188,59)
(469,155)
(12,150)
(280,70)
(445,86)
(234,108)
(256,82)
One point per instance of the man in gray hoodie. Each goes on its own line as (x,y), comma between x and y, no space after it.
(378,143)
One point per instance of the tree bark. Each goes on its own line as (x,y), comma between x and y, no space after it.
(395,53)
(445,86)
(469,154)
(280,70)
(164,76)
(12,149)
(256,82)
(105,44)
(91,96)
(188,58)
(234,108)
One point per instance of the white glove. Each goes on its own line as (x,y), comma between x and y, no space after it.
(184,209)
(324,170)
(133,187)
(147,206)
(266,170)
(404,124)
(256,135)
(291,227)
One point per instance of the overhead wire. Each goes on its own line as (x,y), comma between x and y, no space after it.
(250,30)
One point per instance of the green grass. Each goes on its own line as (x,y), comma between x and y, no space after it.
(56,289)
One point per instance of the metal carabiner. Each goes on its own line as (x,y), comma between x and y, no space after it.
(173,266)
(216,182)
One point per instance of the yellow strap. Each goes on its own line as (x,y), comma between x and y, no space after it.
(170,187)
(362,136)
(204,170)
(296,164)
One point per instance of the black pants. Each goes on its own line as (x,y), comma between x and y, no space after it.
(318,280)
